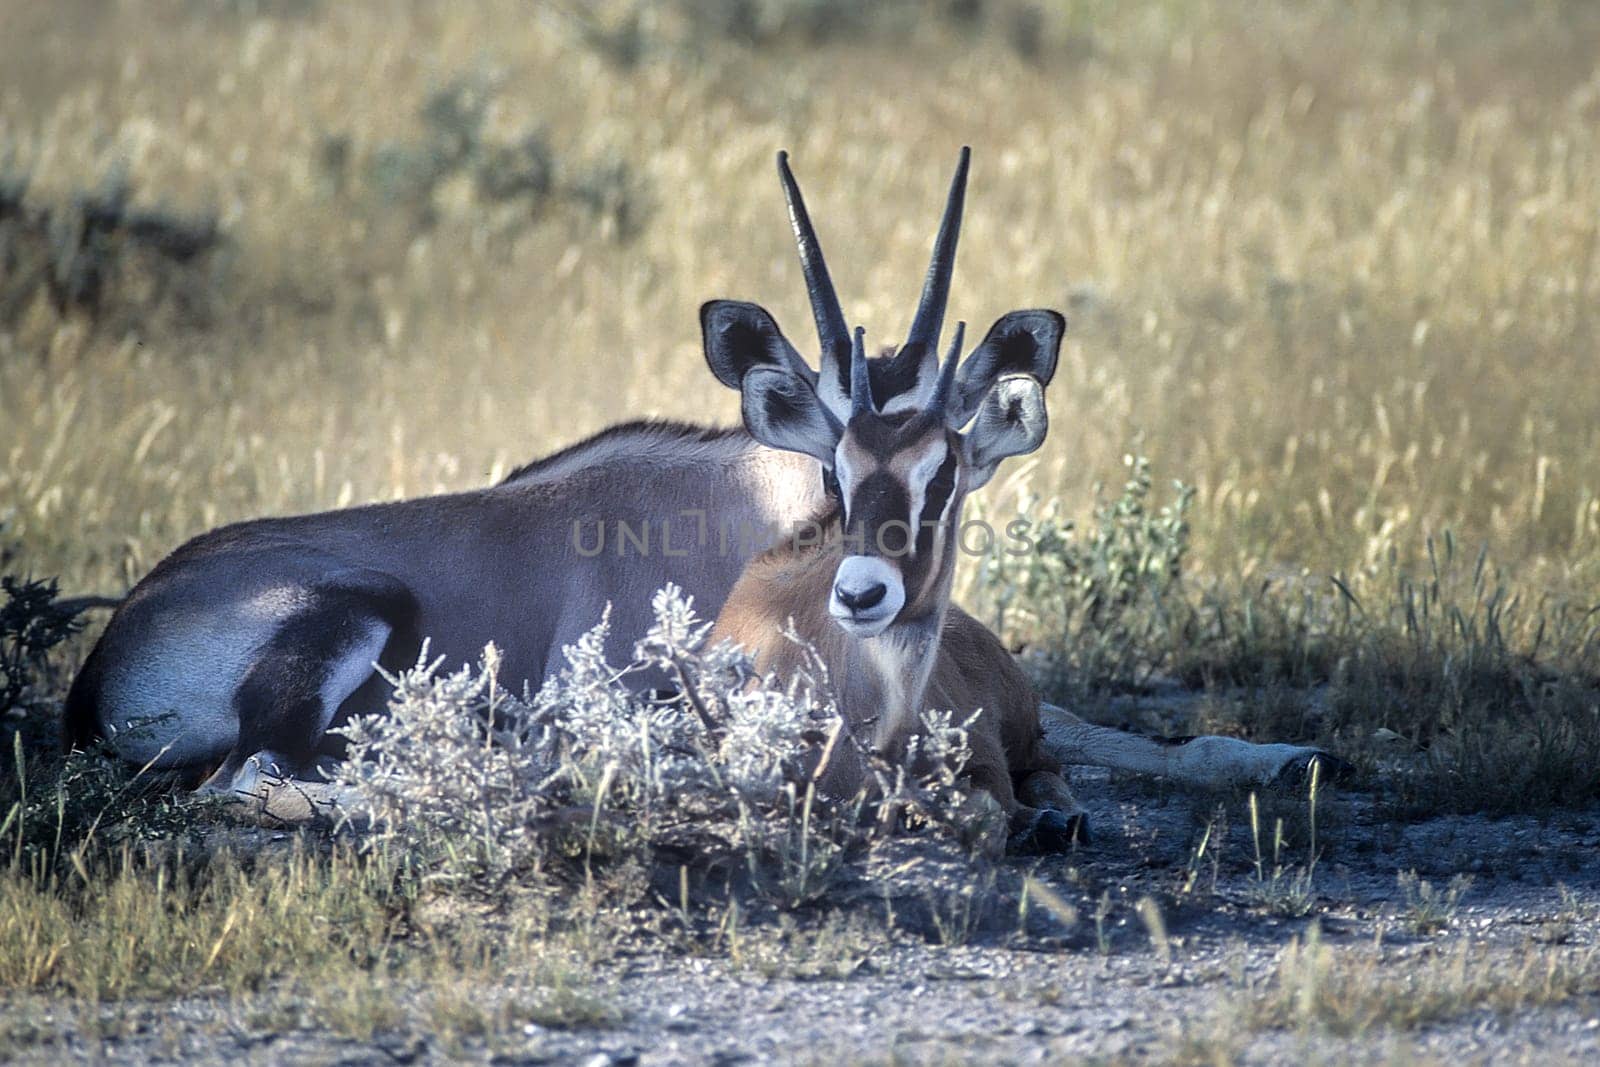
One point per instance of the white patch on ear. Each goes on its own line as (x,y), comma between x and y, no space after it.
(782,411)
(1011,422)
(1020,342)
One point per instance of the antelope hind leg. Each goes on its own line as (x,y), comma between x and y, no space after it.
(315,661)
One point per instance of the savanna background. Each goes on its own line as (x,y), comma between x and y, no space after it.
(1333,267)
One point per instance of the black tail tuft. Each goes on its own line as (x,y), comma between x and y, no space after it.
(80,719)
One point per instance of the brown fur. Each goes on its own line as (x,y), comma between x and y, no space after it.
(972,670)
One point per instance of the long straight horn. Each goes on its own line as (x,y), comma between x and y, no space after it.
(936,289)
(831,328)
(860,383)
(938,406)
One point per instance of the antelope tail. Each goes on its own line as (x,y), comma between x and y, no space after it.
(80,604)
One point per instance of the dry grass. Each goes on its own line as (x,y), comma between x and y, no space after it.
(128,928)
(1381,1004)
(1336,272)
(1352,991)
(294,936)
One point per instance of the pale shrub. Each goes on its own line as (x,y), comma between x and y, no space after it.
(476,781)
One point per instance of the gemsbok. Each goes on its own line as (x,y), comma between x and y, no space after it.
(235,655)
(865,587)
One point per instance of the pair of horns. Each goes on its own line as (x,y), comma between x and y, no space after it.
(929,321)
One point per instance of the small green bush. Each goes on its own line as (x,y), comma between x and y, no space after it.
(1093,608)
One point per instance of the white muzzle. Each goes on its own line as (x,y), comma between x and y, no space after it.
(867,595)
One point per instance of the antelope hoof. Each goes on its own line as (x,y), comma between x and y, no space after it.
(1331,770)
(1050,832)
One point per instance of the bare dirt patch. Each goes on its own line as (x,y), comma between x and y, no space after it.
(1140,947)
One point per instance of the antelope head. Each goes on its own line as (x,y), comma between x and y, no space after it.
(892,434)
(902,476)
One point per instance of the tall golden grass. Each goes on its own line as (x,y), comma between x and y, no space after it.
(1332,263)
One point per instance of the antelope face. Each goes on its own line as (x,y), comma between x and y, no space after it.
(897,479)
(901,476)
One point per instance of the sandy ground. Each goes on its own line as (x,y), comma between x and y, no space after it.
(1040,991)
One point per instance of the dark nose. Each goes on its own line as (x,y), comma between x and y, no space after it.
(863,599)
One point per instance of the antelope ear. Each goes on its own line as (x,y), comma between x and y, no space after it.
(781,410)
(1019,342)
(1011,422)
(739,337)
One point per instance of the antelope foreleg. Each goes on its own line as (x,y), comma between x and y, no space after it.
(1204,762)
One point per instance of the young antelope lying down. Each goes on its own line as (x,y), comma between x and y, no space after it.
(872,594)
